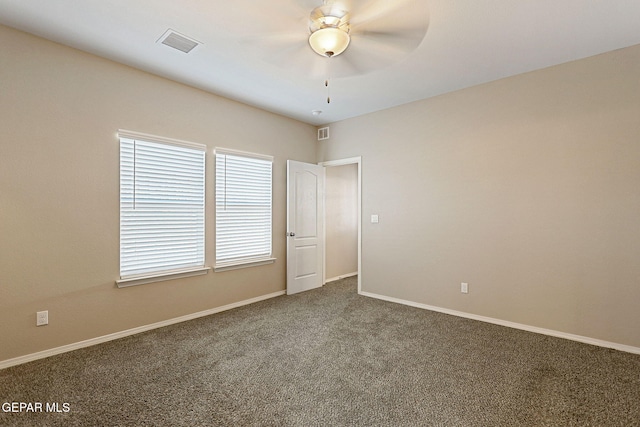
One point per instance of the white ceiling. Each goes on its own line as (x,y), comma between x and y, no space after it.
(254,51)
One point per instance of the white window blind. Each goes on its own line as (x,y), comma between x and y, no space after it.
(243,207)
(161,205)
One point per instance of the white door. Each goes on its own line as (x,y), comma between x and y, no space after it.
(305,226)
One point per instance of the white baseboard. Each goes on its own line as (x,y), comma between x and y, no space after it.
(343,276)
(105,338)
(550,332)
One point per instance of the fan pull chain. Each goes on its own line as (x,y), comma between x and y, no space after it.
(326,83)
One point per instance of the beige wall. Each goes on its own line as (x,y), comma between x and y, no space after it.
(60,110)
(527,188)
(341,227)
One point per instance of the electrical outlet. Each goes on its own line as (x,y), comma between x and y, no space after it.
(42,318)
(464,288)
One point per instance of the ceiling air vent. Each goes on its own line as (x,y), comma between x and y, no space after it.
(323,133)
(178,41)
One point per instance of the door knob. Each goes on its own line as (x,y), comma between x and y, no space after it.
(291,234)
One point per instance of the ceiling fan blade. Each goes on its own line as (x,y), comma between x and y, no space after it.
(363,57)
(273,41)
(363,12)
(413,17)
(260,19)
(388,29)
(299,59)
(403,41)
(348,65)
(373,50)
(275,48)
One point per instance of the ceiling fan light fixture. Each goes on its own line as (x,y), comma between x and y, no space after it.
(329,28)
(329,41)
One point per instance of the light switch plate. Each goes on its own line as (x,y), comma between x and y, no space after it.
(42,318)
(374,219)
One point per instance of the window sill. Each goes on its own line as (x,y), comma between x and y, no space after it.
(176,274)
(225,266)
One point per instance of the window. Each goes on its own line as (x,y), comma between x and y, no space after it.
(243,209)
(161,208)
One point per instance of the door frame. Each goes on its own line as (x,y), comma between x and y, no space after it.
(341,162)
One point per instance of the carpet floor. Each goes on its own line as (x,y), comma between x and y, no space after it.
(329,357)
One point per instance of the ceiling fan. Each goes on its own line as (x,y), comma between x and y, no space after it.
(346,38)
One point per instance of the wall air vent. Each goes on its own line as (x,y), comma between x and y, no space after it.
(323,133)
(178,41)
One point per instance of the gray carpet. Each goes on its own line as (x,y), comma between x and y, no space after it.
(330,357)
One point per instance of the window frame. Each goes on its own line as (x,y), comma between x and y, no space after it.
(251,260)
(161,273)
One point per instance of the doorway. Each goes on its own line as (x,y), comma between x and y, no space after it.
(342,257)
